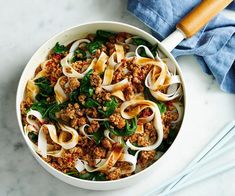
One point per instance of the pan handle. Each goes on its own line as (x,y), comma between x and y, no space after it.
(194,21)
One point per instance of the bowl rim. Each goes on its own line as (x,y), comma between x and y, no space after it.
(20,90)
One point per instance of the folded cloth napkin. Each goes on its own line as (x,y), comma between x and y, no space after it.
(214,45)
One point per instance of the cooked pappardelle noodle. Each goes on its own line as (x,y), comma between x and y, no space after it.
(104,107)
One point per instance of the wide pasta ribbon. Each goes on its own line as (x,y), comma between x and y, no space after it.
(36,125)
(138,105)
(31,88)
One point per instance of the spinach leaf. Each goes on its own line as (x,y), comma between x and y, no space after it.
(33,137)
(73,97)
(59,49)
(143,53)
(54,109)
(139,41)
(91,103)
(86,176)
(45,88)
(48,110)
(102,33)
(163,146)
(85,85)
(110,107)
(79,54)
(172,135)
(43,107)
(93,46)
(132,152)
(166,143)
(96,176)
(162,106)
(154,50)
(98,135)
(129,129)
(71,173)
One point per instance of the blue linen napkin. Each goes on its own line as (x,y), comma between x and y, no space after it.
(214,45)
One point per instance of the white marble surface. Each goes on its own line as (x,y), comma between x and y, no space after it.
(25,25)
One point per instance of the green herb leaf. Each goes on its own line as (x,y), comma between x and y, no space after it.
(166,143)
(132,152)
(73,97)
(143,53)
(172,135)
(98,135)
(93,46)
(54,109)
(162,106)
(139,41)
(48,110)
(129,129)
(45,88)
(154,50)
(72,173)
(33,137)
(42,107)
(79,54)
(96,176)
(86,176)
(59,49)
(91,103)
(85,85)
(102,33)
(110,107)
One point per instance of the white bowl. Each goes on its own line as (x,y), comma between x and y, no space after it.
(40,55)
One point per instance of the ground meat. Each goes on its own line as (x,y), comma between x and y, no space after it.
(89,159)
(128,92)
(114,175)
(110,48)
(73,83)
(117,120)
(147,138)
(67,161)
(54,71)
(124,166)
(94,126)
(92,112)
(119,74)
(25,105)
(122,36)
(106,143)
(167,118)
(133,138)
(77,122)
(98,90)
(73,114)
(80,66)
(95,80)
(77,150)
(99,153)
(102,95)
(145,158)
(82,98)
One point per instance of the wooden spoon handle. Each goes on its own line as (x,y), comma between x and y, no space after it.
(201,15)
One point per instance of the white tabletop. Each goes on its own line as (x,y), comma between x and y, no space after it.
(25,25)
